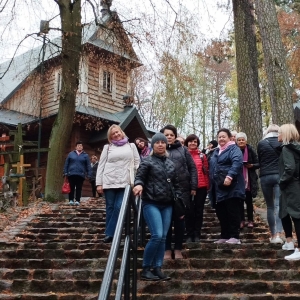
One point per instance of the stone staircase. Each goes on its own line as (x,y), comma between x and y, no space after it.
(60,256)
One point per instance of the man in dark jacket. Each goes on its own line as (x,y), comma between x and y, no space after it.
(94,167)
(268,151)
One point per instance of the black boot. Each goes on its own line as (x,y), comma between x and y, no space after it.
(107,239)
(197,239)
(146,274)
(157,271)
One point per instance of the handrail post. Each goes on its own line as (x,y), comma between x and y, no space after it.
(112,258)
(127,272)
(137,203)
(127,281)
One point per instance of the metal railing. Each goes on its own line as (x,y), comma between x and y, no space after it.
(127,282)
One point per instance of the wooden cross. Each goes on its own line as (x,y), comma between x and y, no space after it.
(20,171)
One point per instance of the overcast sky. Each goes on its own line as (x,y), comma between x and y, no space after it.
(213,22)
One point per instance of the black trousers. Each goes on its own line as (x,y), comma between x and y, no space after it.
(194,214)
(249,206)
(228,213)
(94,188)
(288,227)
(76,182)
(178,235)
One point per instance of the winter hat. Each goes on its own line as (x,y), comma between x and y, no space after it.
(158,137)
(214,143)
(241,135)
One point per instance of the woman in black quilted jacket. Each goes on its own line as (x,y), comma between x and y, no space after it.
(153,182)
(188,181)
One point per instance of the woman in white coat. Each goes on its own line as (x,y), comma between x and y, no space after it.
(118,160)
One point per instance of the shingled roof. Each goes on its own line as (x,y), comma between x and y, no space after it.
(25,64)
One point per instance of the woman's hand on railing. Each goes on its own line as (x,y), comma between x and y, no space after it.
(137,190)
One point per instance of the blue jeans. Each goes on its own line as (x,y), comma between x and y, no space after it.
(113,199)
(158,218)
(270,188)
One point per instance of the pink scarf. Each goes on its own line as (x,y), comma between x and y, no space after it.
(225,146)
(245,170)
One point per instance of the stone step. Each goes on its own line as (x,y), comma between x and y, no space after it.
(51,296)
(176,274)
(61,218)
(66,236)
(224,286)
(225,253)
(192,296)
(63,224)
(51,274)
(63,230)
(177,286)
(54,254)
(93,263)
(192,263)
(213,296)
(50,286)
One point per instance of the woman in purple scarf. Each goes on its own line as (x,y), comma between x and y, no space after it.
(117,161)
(250,164)
(142,147)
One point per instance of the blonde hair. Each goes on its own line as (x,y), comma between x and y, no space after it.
(110,130)
(289,133)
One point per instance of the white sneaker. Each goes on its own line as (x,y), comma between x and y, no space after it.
(288,246)
(294,256)
(276,240)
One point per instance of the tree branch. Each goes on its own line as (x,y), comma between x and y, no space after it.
(94,11)
(1,10)
(28,35)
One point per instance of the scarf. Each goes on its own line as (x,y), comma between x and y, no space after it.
(120,142)
(245,170)
(225,146)
(271,134)
(145,152)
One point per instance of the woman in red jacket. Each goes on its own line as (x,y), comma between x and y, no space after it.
(194,216)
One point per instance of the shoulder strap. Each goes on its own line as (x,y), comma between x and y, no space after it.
(204,170)
(276,151)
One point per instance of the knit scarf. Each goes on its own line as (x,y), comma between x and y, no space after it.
(145,152)
(245,170)
(222,148)
(120,142)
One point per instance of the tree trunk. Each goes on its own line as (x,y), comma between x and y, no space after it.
(70,13)
(247,71)
(275,63)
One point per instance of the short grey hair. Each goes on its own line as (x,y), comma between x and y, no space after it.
(241,135)
(272,128)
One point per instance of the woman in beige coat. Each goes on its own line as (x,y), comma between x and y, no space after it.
(117,162)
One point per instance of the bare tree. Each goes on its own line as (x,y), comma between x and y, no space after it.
(70,13)
(275,63)
(247,70)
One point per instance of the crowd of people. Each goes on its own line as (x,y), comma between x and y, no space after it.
(226,172)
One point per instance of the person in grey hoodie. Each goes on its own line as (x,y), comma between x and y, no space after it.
(289,183)
(268,151)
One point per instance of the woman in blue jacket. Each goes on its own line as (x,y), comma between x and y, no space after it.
(77,168)
(227,186)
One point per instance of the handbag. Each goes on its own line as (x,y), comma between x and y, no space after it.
(66,189)
(220,178)
(131,173)
(179,208)
(204,170)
